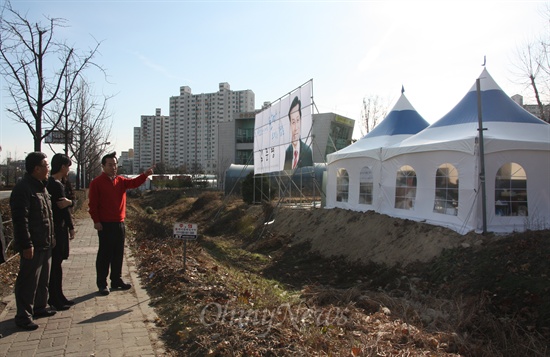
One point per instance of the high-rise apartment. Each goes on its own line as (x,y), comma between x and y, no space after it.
(189,137)
(150,142)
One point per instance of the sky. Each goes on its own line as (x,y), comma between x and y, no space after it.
(351,49)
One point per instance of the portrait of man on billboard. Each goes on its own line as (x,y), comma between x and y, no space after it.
(298,153)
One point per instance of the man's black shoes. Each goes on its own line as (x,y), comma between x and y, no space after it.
(60,307)
(29,326)
(44,313)
(120,286)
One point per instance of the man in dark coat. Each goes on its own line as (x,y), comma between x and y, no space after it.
(63,228)
(33,234)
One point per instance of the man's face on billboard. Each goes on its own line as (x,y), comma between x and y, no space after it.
(295,125)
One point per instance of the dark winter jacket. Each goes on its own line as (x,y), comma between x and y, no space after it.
(31,213)
(62,217)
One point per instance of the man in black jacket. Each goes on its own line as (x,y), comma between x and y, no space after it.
(63,228)
(33,234)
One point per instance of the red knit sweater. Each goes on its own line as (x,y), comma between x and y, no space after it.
(107,198)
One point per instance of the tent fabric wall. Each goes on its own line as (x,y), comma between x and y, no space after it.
(536,164)
(400,123)
(353,167)
(511,135)
(425,166)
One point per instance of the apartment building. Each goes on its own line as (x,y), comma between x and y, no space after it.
(189,136)
(532,108)
(150,142)
(126,161)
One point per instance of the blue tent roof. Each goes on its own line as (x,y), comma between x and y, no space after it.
(507,126)
(496,106)
(402,120)
(399,123)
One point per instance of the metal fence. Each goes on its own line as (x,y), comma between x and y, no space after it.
(6,239)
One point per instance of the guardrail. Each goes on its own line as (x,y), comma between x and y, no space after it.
(4,244)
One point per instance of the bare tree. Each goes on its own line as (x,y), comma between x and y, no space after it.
(374,110)
(533,67)
(162,168)
(90,126)
(40,71)
(530,70)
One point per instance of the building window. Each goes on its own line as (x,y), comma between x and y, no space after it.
(405,188)
(245,157)
(446,190)
(511,190)
(342,185)
(365,186)
(245,135)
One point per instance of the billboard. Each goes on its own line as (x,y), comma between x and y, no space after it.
(282,133)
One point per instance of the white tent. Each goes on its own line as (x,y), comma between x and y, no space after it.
(434,176)
(355,168)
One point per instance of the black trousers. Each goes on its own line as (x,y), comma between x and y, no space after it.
(56,280)
(110,252)
(31,285)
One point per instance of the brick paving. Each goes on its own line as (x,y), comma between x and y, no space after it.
(120,324)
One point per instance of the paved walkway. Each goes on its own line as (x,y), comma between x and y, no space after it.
(120,324)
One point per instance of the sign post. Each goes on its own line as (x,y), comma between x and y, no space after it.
(185,231)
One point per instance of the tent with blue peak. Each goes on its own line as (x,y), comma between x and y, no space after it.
(358,166)
(434,175)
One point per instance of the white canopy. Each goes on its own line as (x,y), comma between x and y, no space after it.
(400,123)
(517,153)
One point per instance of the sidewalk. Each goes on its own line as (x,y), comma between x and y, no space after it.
(120,324)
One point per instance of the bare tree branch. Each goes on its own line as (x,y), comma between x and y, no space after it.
(533,67)
(91,127)
(40,71)
(374,110)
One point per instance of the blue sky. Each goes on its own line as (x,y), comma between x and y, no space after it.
(351,49)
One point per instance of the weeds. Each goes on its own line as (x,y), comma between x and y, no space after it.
(271,297)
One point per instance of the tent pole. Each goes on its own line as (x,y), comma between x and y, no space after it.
(481,158)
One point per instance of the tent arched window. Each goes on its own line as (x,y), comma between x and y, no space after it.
(511,190)
(446,190)
(365,186)
(342,185)
(405,188)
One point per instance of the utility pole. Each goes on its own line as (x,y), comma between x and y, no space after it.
(481,158)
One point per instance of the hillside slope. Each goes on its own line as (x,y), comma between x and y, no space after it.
(461,295)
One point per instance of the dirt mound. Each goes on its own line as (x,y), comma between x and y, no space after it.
(367,237)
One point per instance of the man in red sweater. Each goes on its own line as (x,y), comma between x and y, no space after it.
(107,207)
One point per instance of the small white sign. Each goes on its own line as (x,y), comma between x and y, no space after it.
(185,230)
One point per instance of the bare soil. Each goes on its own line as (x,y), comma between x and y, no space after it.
(337,282)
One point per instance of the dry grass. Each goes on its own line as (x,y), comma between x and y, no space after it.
(226,304)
